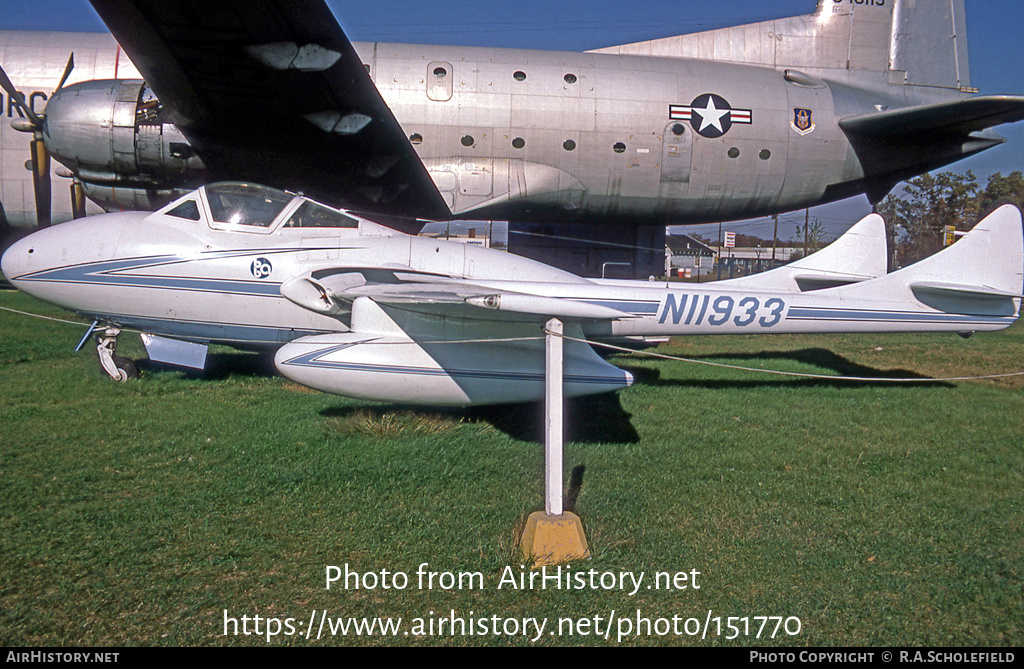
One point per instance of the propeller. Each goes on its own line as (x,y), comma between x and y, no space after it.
(40,160)
(77,199)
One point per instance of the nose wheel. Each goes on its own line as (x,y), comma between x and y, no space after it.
(116,367)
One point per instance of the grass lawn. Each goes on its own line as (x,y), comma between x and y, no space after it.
(148,513)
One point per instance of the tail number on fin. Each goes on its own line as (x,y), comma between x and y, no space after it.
(869,3)
(718,310)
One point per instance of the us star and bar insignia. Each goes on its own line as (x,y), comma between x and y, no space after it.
(710,115)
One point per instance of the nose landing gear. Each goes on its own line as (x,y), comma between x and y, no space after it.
(116,367)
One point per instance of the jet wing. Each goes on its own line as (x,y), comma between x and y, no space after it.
(335,294)
(272,91)
(442,340)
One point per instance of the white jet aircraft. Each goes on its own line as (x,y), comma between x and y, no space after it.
(357,309)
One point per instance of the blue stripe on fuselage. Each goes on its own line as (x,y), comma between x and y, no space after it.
(635,307)
(864,315)
(115,273)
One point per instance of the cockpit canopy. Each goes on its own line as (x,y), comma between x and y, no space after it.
(247,207)
(246,204)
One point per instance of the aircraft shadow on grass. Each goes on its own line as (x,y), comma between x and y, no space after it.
(588,419)
(818,357)
(220,366)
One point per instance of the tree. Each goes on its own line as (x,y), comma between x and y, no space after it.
(1001,190)
(915,219)
(810,238)
(751,241)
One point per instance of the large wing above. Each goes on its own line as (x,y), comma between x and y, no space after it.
(902,143)
(272,91)
(960,117)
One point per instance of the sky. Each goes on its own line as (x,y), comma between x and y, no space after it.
(993,28)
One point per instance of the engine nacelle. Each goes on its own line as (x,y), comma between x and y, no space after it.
(113,133)
(130,198)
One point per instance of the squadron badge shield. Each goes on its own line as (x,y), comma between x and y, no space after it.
(803,121)
(710,115)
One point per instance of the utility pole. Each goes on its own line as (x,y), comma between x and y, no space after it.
(775,238)
(719,250)
(807,224)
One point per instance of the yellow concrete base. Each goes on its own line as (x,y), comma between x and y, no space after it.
(551,540)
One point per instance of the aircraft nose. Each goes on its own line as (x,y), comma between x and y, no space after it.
(15,259)
(43,264)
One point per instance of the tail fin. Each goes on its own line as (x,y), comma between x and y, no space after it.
(858,255)
(982,274)
(919,42)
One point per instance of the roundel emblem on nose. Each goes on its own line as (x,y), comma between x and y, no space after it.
(261,268)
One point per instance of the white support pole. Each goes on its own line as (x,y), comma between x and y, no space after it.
(553,536)
(553,418)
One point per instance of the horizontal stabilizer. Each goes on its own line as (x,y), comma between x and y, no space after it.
(961,290)
(961,117)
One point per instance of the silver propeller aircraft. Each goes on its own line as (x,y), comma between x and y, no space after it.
(611,144)
(357,309)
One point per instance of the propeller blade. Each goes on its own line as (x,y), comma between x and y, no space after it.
(77,199)
(40,162)
(67,72)
(18,98)
(41,180)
